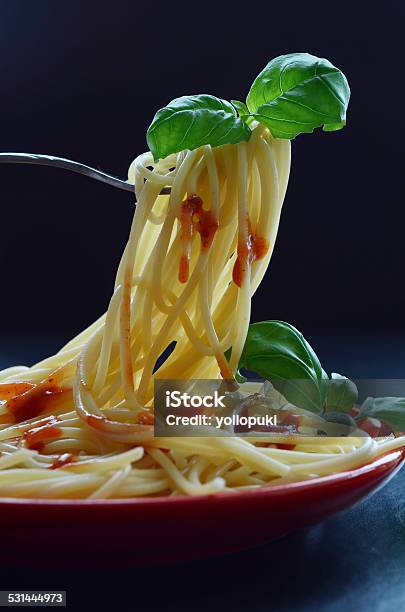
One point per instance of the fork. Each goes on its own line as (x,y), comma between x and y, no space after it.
(72,166)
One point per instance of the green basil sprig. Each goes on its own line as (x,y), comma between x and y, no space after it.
(278,352)
(342,393)
(243,112)
(190,122)
(295,93)
(391,410)
(341,418)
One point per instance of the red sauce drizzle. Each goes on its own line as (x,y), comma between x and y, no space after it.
(62,460)
(249,251)
(184,269)
(37,399)
(96,421)
(36,437)
(145,418)
(194,218)
(9,390)
(293,420)
(368,426)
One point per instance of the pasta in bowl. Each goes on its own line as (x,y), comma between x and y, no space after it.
(79,425)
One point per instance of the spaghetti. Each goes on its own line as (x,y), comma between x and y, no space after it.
(80,424)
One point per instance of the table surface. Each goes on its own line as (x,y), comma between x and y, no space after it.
(352,561)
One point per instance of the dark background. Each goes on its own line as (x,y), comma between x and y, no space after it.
(83,81)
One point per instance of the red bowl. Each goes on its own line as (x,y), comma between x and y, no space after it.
(113,532)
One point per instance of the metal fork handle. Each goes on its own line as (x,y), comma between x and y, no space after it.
(65,164)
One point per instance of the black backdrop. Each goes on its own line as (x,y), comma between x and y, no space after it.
(83,81)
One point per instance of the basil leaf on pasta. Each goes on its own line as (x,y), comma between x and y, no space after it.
(297,93)
(391,410)
(342,393)
(278,352)
(190,122)
(243,111)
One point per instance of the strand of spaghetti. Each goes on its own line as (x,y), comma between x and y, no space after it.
(14,372)
(145,160)
(388,445)
(203,288)
(220,323)
(183,483)
(169,322)
(140,488)
(251,456)
(108,488)
(126,306)
(340,462)
(211,333)
(8,461)
(271,186)
(241,476)
(180,181)
(271,211)
(175,199)
(111,429)
(204,349)
(196,469)
(106,464)
(91,414)
(108,336)
(243,302)
(195,173)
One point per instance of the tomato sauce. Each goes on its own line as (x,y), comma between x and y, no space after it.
(145,418)
(37,400)
(255,247)
(45,431)
(184,269)
(285,446)
(62,461)
(96,421)
(9,390)
(193,218)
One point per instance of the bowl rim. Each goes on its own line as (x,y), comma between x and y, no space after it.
(395,456)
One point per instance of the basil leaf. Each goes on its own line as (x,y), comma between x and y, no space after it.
(278,352)
(391,410)
(297,93)
(239,377)
(340,424)
(243,112)
(342,393)
(333,127)
(240,107)
(340,418)
(190,122)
